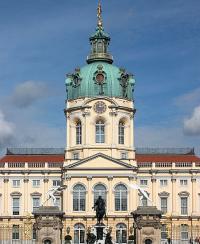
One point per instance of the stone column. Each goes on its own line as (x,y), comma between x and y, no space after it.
(69,196)
(110,200)
(26,196)
(194,197)
(174,196)
(89,196)
(5,196)
(46,180)
(133,199)
(153,180)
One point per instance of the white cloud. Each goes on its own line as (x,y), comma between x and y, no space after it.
(6,130)
(192,124)
(189,99)
(25,94)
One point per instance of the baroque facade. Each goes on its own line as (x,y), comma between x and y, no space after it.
(100,159)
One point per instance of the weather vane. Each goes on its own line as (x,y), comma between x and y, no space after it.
(99,16)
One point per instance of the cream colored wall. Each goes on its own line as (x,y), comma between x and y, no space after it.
(83,110)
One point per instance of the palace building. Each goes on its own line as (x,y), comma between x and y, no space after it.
(100,159)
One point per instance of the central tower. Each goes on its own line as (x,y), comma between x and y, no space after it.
(99,106)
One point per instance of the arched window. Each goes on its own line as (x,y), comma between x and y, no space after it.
(99,190)
(78,132)
(121,233)
(120,198)
(79,233)
(79,194)
(121,132)
(100,131)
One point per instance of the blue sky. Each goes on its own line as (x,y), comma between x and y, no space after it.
(42,40)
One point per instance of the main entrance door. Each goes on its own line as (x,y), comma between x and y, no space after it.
(47,242)
(148,241)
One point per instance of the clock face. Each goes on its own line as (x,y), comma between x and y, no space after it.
(100,107)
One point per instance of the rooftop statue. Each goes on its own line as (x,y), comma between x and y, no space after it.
(141,191)
(50,194)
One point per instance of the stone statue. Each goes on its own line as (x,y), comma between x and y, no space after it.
(108,239)
(91,238)
(51,192)
(141,191)
(100,209)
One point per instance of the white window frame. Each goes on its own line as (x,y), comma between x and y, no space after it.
(16,207)
(163,182)
(143,182)
(14,232)
(36,181)
(16,183)
(183,182)
(184,231)
(56,182)
(33,203)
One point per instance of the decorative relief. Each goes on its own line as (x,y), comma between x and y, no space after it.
(100,78)
(75,78)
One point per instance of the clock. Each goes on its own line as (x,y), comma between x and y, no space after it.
(100,107)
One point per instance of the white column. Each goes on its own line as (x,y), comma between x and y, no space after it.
(194,197)
(174,196)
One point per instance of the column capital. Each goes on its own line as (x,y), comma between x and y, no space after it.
(5,180)
(173,179)
(193,179)
(46,180)
(153,179)
(26,180)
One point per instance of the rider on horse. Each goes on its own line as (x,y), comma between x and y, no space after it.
(100,208)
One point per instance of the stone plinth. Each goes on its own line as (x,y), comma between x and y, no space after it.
(147,225)
(48,225)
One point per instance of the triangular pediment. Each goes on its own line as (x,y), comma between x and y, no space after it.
(100,161)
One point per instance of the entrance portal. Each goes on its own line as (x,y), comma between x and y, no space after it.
(47,242)
(148,241)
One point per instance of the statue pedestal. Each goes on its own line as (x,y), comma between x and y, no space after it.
(100,233)
(147,225)
(48,225)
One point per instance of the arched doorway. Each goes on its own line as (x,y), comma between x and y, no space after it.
(47,241)
(148,241)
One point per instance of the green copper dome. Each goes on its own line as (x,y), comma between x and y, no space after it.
(99,77)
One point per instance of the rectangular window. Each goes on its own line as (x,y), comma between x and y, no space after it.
(16,183)
(15,205)
(100,132)
(56,182)
(163,203)
(183,182)
(164,232)
(184,205)
(124,155)
(57,203)
(36,183)
(143,182)
(184,232)
(163,182)
(76,156)
(15,232)
(36,203)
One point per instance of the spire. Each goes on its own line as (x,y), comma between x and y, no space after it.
(99,41)
(99,16)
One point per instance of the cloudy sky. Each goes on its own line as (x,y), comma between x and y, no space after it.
(42,40)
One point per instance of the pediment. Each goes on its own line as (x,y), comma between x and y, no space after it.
(99,161)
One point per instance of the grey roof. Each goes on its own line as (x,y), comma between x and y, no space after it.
(171,151)
(35,151)
(139,150)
